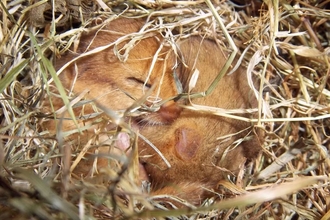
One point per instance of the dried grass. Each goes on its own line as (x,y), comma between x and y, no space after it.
(285,44)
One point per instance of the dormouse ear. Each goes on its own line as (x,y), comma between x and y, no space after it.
(187,142)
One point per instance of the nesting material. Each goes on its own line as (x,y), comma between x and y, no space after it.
(284,44)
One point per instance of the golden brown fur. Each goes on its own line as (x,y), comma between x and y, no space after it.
(191,141)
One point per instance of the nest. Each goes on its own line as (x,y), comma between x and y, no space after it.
(284,43)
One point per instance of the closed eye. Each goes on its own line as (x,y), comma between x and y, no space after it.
(139,81)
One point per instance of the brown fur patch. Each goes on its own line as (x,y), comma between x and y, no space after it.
(192,142)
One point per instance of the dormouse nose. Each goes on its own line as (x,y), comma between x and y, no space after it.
(169,111)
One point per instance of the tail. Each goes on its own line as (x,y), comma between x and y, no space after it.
(183,194)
